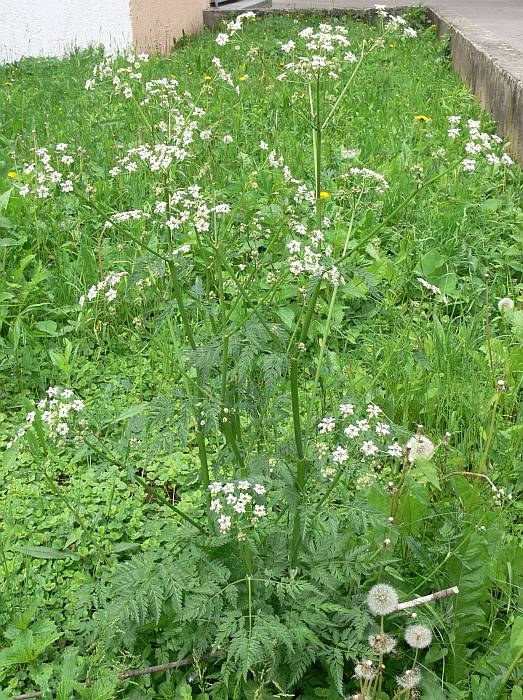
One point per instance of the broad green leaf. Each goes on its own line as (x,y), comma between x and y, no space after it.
(4,199)
(516,634)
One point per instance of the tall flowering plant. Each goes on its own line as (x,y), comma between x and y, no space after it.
(250,289)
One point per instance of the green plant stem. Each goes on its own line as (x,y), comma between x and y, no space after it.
(326,330)
(296,420)
(510,670)
(178,294)
(490,434)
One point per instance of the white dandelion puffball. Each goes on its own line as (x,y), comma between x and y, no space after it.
(420,446)
(506,304)
(227,139)
(410,679)
(382,599)
(418,636)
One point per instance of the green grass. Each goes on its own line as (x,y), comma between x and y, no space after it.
(424,358)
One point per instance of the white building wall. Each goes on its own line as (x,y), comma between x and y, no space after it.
(54,27)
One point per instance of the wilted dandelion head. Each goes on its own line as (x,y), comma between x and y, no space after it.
(410,679)
(382,599)
(382,643)
(364,670)
(505,304)
(418,636)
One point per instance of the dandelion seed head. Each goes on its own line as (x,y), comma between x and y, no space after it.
(506,305)
(418,636)
(382,599)
(420,446)
(410,679)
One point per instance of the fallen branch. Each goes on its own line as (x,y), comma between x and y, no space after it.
(132,673)
(446,593)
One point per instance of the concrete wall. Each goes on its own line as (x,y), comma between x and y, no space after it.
(157,22)
(54,27)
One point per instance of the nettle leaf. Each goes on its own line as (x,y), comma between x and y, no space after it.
(29,645)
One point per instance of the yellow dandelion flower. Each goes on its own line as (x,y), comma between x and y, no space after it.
(242,77)
(392,46)
(421,118)
(324,195)
(12,173)
(207,77)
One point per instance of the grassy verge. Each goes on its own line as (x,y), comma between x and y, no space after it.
(192,370)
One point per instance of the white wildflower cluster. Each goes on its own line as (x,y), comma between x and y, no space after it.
(57,414)
(478,143)
(240,503)
(189,208)
(370,178)
(51,172)
(160,156)
(233,27)
(106,287)
(499,496)
(324,50)
(162,92)
(382,600)
(432,288)
(356,437)
(303,195)
(223,75)
(310,258)
(395,23)
(123,78)
(122,216)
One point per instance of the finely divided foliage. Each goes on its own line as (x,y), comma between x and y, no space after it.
(230,249)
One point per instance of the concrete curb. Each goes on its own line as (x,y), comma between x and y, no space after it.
(491,69)
(484,67)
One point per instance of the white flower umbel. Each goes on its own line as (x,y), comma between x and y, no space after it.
(238,504)
(57,415)
(107,285)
